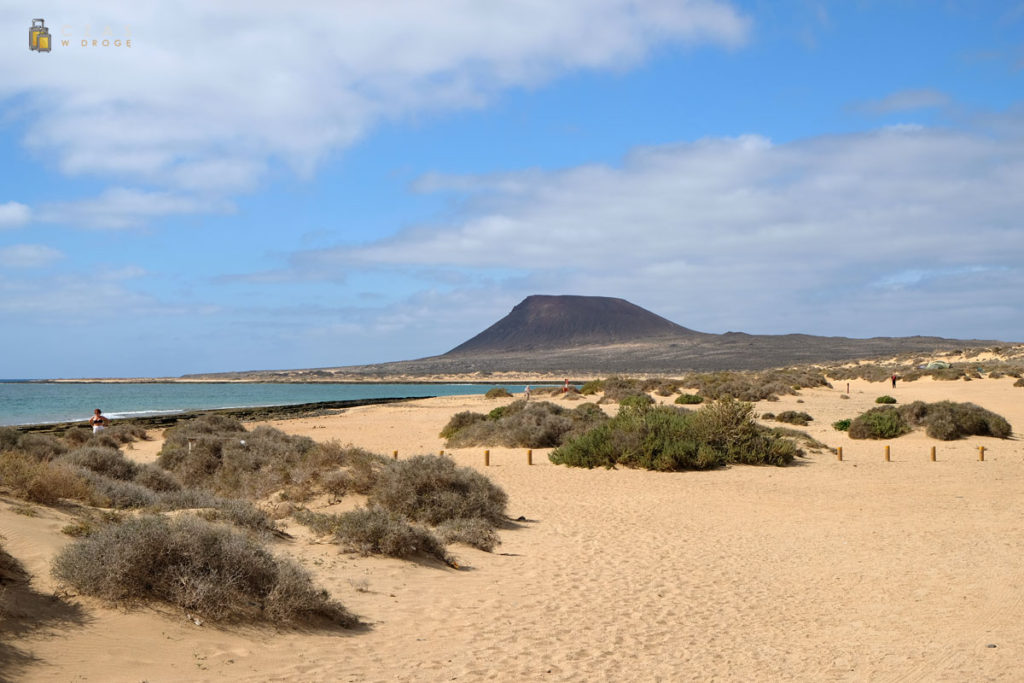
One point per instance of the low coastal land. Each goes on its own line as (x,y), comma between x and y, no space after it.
(860,569)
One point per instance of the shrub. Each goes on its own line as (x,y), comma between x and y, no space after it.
(689,399)
(120,494)
(667,439)
(885,399)
(755,386)
(884,422)
(498,392)
(43,482)
(377,531)
(767,416)
(1019,382)
(186,562)
(947,421)
(842,425)
(618,388)
(9,437)
(319,523)
(156,479)
(241,513)
(76,436)
(41,446)
(459,422)
(793,417)
(592,387)
(432,489)
(534,424)
(477,533)
(109,462)
(666,389)
(224,458)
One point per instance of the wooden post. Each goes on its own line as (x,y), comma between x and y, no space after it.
(887,454)
(847,388)
(441,452)
(394,455)
(487,458)
(981,453)
(839,453)
(529,457)
(933,453)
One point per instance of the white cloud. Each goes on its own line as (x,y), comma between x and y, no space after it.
(28,256)
(119,208)
(905,100)
(716,232)
(210,94)
(13,215)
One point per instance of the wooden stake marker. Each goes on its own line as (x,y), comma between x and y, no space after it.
(529,457)
(887,454)
(487,458)
(981,453)
(440,452)
(933,453)
(394,455)
(839,453)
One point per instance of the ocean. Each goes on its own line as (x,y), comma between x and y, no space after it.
(23,402)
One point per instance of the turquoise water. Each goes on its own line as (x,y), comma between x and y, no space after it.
(31,403)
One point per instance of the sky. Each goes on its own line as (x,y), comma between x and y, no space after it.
(263,185)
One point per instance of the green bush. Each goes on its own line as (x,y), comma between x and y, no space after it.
(377,531)
(668,439)
(885,399)
(884,422)
(947,420)
(794,417)
(842,425)
(497,392)
(208,570)
(523,424)
(1019,382)
(689,399)
(432,489)
(460,421)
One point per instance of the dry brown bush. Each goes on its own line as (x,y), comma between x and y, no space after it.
(203,568)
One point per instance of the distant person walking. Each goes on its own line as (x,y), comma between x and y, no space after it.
(565,387)
(527,392)
(98,421)
(894,378)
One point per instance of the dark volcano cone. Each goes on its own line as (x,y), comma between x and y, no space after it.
(543,322)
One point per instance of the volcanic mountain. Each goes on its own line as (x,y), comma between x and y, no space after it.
(573,336)
(542,322)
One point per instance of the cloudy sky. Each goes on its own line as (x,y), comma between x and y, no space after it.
(257,185)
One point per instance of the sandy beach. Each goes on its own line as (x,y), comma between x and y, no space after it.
(860,570)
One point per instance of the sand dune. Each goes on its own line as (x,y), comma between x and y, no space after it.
(825,571)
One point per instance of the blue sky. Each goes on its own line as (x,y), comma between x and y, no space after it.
(257,185)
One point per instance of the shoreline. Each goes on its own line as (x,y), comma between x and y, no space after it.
(247,414)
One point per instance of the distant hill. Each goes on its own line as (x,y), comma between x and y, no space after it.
(543,322)
(598,336)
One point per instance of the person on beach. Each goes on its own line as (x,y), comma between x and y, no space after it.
(98,421)
(527,392)
(894,378)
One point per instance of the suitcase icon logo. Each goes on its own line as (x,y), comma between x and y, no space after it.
(39,38)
